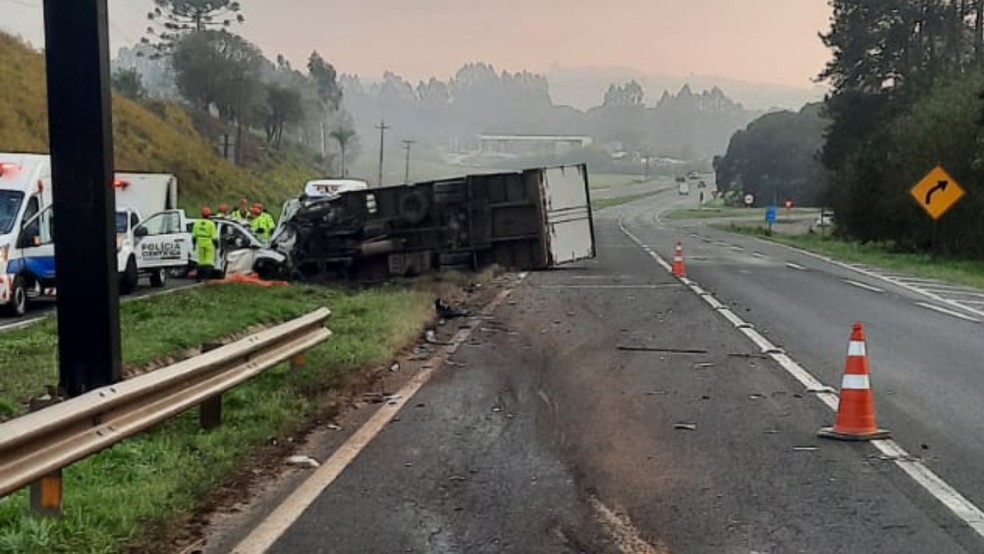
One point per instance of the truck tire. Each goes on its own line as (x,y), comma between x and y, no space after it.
(158,278)
(129,277)
(413,207)
(18,298)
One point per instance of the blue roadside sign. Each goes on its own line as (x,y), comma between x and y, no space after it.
(771,215)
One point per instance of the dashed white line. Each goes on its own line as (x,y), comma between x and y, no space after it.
(864,286)
(759,255)
(958,504)
(797,267)
(947,311)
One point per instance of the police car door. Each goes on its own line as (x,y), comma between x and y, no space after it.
(36,246)
(160,241)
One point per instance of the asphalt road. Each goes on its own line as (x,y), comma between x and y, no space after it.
(607,408)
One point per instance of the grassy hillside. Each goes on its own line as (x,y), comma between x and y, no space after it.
(156,137)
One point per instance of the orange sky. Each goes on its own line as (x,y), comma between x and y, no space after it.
(772,41)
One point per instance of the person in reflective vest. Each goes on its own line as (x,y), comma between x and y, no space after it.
(206,235)
(263,223)
(223,211)
(242,213)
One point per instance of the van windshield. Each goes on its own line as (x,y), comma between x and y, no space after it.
(10,202)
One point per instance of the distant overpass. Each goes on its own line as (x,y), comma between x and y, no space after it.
(530,145)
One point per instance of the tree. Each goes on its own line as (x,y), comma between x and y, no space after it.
(221,70)
(129,83)
(329,93)
(176,18)
(343,135)
(284,107)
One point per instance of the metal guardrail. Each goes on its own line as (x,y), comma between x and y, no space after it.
(40,444)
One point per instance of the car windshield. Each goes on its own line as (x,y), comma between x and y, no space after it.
(121,218)
(10,202)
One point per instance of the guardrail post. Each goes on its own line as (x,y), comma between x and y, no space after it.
(46,495)
(210,411)
(298,361)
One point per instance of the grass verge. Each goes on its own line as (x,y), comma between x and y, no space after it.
(150,480)
(599,181)
(602,203)
(758,213)
(965,272)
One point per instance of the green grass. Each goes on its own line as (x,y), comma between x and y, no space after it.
(721,212)
(147,482)
(602,203)
(608,180)
(966,272)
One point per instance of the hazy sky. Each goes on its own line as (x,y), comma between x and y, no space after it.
(772,41)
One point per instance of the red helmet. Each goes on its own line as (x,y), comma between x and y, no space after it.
(206,211)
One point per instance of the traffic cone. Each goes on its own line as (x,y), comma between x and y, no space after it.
(856,409)
(679,268)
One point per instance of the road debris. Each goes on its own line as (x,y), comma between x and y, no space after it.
(303,461)
(447,311)
(703,365)
(805,448)
(395,367)
(629,348)
(685,426)
(334,427)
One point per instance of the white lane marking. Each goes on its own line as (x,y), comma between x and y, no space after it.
(863,286)
(647,249)
(561,287)
(626,535)
(263,536)
(958,504)
(760,255)
(737,248)
(947,311)
(895,281)
(797,267)
(22,324)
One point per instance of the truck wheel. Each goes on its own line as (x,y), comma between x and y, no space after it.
(158,278)
(413,207)
(128,280)
(18,298)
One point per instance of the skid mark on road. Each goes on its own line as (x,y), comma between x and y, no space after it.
(623,531)
(958,504)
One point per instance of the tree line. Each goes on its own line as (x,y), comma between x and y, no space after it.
(191,51)
(907,94)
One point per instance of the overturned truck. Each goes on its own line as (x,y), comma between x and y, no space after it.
(534,219)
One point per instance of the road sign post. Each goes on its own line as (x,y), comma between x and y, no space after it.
(936,193)
(771,216)
(81,144)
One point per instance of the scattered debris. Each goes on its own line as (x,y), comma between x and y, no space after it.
(805,448)
(431,337)
(772,431)
(755,396)
(303,461)
(703,365)
(395,367)
(334,427)
(685,426)
(447,311)
(457,478)
(657,392)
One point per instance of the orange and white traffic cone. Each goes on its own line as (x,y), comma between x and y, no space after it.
(856,409)
(679,268)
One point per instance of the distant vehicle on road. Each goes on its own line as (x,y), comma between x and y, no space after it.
(693,175)
(684,189)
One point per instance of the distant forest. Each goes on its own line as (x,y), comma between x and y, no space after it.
(481,100)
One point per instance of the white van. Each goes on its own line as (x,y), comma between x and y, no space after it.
(27,256)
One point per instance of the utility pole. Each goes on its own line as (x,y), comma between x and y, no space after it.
(406,146)
(382,134)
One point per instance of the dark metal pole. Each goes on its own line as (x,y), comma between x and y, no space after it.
(406,175)
(382,134)
(81,141)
